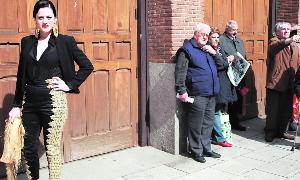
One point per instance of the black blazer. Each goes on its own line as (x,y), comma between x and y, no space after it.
(68,52)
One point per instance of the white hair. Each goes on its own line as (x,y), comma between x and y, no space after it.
(231,23)
(201,26)
(280,25)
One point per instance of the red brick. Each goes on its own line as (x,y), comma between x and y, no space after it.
(169,23)
(287,10)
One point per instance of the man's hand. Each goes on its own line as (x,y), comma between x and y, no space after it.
(184,97)
(230,59)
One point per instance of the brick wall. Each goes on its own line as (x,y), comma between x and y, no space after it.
(169,23)
(287,10)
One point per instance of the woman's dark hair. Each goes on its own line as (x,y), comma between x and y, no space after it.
(42,4)
(214,30)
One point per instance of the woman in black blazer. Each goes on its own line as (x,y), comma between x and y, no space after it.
(46,72)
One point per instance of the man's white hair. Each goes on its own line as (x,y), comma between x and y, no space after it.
(231,23)
(200,27)
(281,25)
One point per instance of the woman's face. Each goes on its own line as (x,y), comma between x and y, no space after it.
(45,20)
(214,39)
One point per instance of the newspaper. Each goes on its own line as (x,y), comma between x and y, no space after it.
(237,69)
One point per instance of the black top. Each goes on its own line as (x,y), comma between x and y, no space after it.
(46,67)
(68,54)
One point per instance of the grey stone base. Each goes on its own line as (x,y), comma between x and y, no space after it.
(167,125)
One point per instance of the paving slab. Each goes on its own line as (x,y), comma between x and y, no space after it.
(232,152)
(268,154)
(295,177)
(283,167)
(252,144)
(208,173)
(160,172)
(239,166)
(188,165)
(256,174)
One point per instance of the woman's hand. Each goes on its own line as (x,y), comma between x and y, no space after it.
(57,84)
(14,113)
(209,49)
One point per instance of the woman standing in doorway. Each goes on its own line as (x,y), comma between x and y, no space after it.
(227,92)
(46,72)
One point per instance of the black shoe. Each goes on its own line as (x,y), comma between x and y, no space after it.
(238,127)
(212,154)
(199,158)
(286,135)
(269,138)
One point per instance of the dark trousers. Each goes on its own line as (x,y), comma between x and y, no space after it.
(234,109)
(200,117)
(48,111)
(279,110)
(33,122)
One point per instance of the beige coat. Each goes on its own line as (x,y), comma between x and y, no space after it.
(282,63)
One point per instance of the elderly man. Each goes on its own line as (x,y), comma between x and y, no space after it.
(196,76)
(282,62)
(233,44)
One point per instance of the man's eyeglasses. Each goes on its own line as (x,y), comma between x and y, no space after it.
(203,34)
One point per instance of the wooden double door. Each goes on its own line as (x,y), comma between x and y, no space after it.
(103,117)
(252,18)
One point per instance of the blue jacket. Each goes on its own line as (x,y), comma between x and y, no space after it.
(202,78)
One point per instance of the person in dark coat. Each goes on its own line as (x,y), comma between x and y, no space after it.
(196,76)
(231,45)
(227,92)
(46,73)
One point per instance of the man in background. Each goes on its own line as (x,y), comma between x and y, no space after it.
(233,44)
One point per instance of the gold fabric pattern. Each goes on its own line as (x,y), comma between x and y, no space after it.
(59,102)
(13,144)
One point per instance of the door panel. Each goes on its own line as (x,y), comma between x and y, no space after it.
(251,16)
(103,117)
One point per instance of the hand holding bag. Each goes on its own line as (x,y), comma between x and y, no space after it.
(13,144)
(226,127)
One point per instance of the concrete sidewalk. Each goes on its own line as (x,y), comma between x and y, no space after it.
(250,158)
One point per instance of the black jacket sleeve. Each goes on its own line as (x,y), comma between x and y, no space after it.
(85,65)
(20,84)
(181,71)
